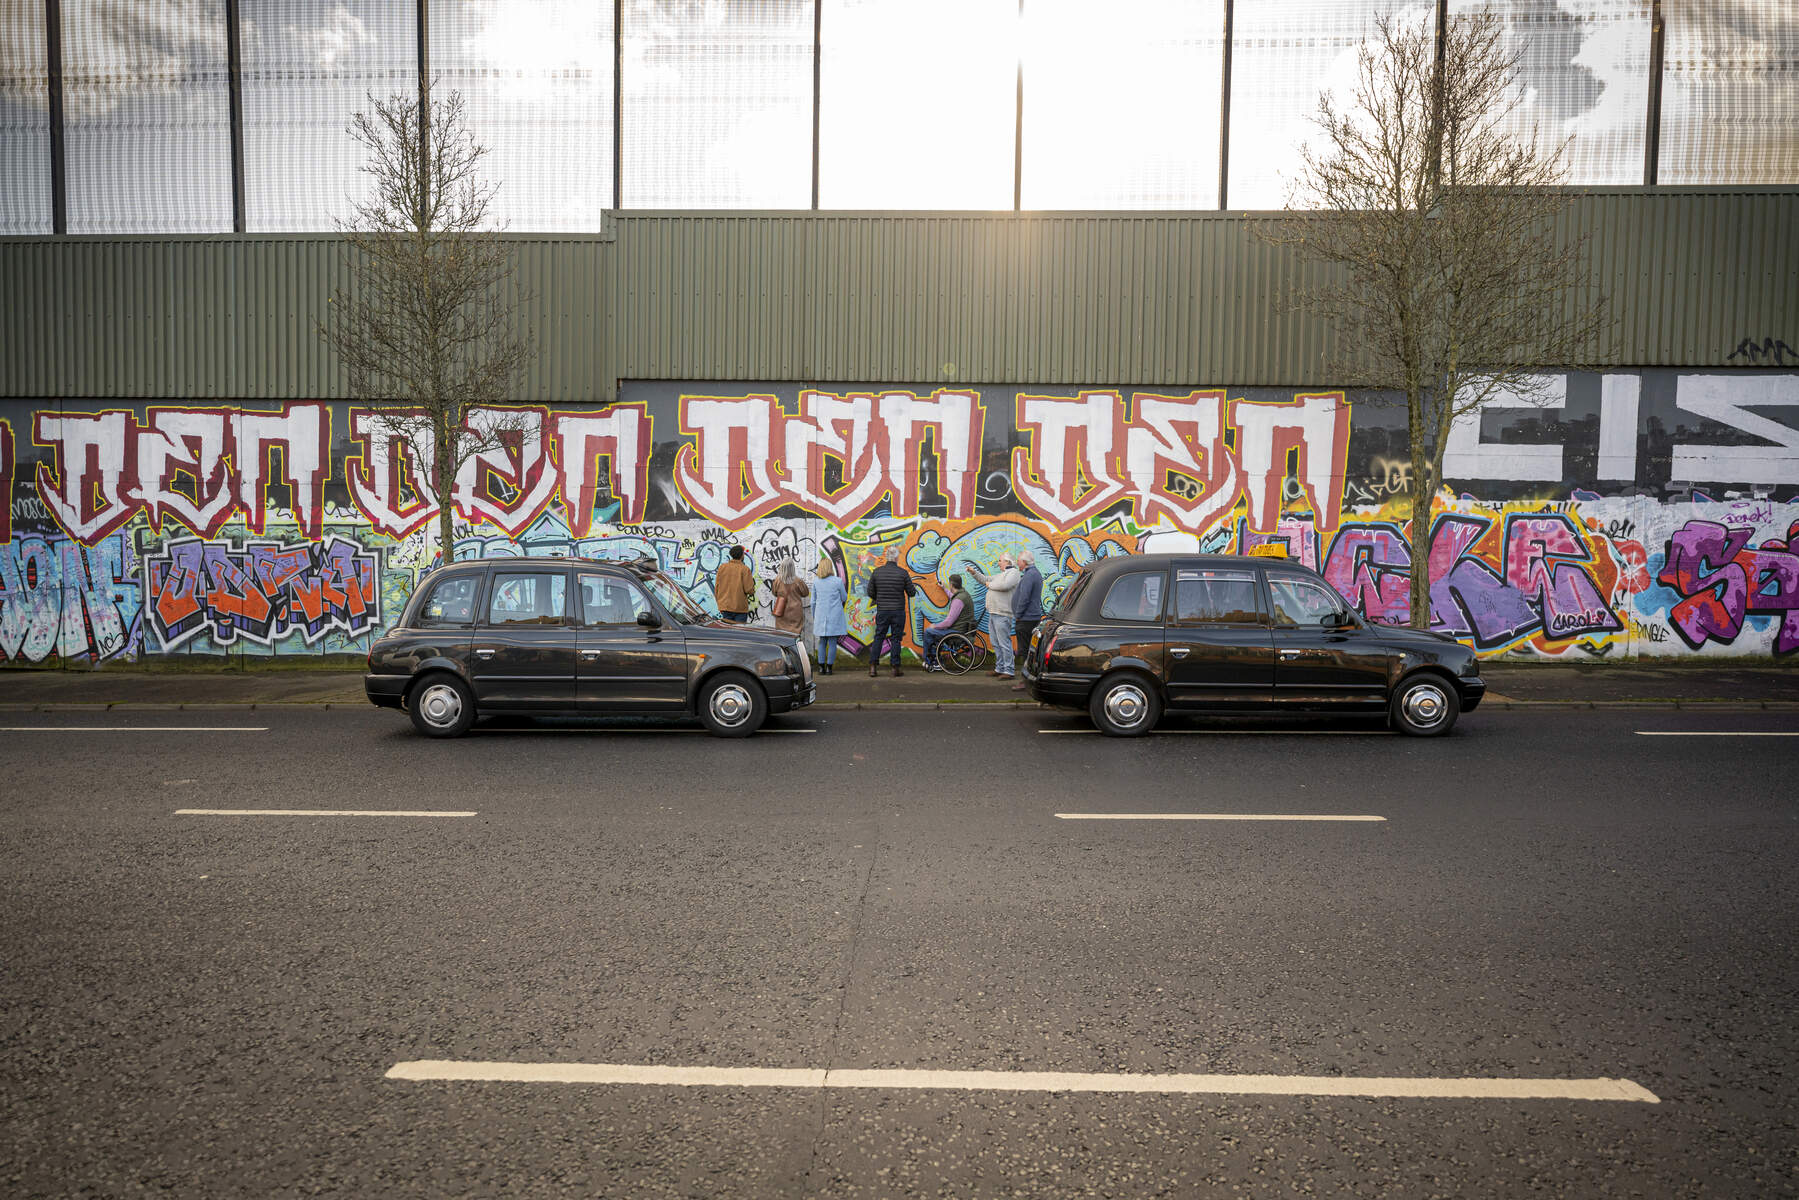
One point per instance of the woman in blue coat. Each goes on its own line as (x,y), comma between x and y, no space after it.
(828,619)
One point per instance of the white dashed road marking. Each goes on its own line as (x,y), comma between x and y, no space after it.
(134,728)
(1212,817)
(1685,733)
(1029,1081)
(314,812)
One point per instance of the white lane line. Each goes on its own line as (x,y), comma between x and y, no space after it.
(134,728)
(314,812)
(1030,1081)
(1240,732)
(693,732)
(1212,817)
(1685,733)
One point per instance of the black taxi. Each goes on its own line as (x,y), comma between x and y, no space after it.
(580,637)
(1135,635)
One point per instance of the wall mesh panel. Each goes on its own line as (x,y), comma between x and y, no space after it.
(918,104)
(24,121)
(147,105)
(1121,107)
(718,104)
(1730,94)
(309,67)
(536,83)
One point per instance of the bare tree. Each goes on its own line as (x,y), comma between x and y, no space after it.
(1447,275)
(428,321)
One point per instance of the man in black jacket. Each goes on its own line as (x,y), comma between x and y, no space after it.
(889,586)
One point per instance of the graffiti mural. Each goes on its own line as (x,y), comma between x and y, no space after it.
(1637,514)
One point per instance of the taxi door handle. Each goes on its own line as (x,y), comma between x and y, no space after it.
(484,653)
(1291,653)
(1179,652)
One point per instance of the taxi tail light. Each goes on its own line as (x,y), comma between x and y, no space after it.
(1049,648)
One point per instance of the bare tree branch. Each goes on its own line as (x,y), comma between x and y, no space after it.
(428,323)
(1445,266)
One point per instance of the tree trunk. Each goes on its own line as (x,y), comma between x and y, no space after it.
(1424,488)
(446,501)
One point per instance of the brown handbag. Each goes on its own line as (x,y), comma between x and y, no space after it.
(780,609)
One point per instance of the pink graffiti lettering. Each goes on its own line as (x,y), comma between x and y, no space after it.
(1723,581)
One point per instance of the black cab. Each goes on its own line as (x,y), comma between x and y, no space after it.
(1139,634)
(578,637)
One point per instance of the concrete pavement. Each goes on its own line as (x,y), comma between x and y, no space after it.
(1753,685)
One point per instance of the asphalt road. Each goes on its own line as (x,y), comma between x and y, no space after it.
(205,1005)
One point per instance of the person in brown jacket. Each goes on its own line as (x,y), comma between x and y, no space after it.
(790,598)
(733,586)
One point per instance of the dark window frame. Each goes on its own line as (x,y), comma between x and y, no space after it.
(476,602)
(1161,606)
(1258,586)
(624,581)
(486,610)
(1322,585)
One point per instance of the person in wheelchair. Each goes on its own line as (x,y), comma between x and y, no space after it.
(958,618)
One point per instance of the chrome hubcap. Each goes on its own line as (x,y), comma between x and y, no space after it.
(1425,705)
(731,704)
(1126,705)
(440,705)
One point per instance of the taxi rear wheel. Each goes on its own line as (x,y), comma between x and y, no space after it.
(1125,706)
(441,706)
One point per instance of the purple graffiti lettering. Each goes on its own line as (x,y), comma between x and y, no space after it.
(263,592)
(1722,581)
(1370,565)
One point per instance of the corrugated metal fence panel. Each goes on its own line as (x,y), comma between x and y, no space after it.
(1177,300)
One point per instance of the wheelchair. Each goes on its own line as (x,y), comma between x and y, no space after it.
(960,653)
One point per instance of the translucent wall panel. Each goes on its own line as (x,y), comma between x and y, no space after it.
(1730,93)
(1121,103)
(536,82)
(147,111)
(24,121)
(1583,71)
(918,103)
(309,66)
(718,104)
(1285,53)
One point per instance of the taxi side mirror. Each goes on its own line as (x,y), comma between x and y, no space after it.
(649,620)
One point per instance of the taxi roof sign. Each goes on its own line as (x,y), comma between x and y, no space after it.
(1269,550)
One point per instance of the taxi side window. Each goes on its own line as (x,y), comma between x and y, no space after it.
(1134,597)
(608,601)
(1299,603)
(1208,595)
(528,598)
(452,602)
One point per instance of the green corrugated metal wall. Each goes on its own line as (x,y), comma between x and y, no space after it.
(1066,299)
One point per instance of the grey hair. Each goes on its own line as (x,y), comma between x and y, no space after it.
(786,572)
(1027,559)
(893,554)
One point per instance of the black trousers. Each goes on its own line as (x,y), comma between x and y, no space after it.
(893,625)
(1025,630)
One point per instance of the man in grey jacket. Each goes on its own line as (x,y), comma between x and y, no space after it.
(1027,605)
(889,586)
(1000,589)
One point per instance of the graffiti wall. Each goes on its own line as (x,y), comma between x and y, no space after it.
(1635,514)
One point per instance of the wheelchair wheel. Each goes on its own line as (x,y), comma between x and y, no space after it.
(958,654)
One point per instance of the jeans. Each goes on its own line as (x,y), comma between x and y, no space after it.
(891,625)
(932,638)
(999,632)
(1025,630)
(827,649)
(740,618)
